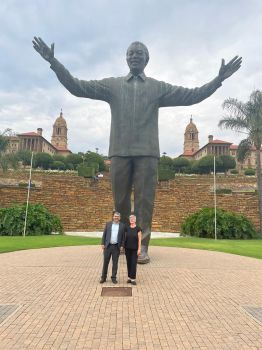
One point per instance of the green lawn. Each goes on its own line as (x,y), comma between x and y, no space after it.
(11,244)
(252,248)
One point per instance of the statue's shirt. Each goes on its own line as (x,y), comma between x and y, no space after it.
(134,102)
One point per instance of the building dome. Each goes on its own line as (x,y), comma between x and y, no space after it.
(191,143)
(60,121)
(191,126)
(59,136)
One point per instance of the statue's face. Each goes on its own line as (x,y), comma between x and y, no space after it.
(136,58)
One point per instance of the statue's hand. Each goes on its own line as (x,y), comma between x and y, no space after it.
(226,70)
(45,51)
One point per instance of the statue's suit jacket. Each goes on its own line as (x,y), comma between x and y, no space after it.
(107,234)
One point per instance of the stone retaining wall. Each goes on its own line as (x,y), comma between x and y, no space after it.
(85,204)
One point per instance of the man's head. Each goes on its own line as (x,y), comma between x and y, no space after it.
(116,217)
(137,57)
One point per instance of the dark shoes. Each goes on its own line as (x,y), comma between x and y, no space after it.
(133,282)
(103,280)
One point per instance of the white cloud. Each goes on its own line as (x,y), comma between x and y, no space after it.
(186,41)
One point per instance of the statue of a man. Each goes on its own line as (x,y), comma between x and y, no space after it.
(134,147)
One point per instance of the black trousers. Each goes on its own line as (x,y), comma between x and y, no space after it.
(140,173)
(131,261)
(114,251)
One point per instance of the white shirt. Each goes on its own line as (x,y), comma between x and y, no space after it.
(114,233)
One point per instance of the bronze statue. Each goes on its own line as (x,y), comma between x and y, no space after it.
(134,147)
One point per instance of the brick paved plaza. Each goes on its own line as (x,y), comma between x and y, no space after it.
(185,299)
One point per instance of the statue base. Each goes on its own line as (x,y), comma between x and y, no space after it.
(143,259)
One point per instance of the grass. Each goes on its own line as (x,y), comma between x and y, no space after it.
(251,248)
(13,243)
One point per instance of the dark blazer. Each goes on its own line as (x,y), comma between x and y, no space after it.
(107,234)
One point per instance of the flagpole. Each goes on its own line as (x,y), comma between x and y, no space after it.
(28,193)
(215,198)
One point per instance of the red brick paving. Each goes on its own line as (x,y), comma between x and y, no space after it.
(184,299)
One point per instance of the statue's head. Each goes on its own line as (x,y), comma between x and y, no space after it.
(137,57)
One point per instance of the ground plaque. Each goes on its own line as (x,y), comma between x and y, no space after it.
(116,292)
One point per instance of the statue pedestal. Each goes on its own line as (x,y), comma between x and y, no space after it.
(143,260)
(143,257)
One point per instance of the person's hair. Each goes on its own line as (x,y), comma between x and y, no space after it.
(144,48)
(116,213)
(132,216)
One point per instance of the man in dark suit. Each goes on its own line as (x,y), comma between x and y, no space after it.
(112,242)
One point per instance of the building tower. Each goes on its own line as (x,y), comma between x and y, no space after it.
(59,136)
(191,143)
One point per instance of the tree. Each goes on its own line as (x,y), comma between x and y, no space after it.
(73,160)
(57,164)
(166,162)
(7,160)
(58,157)
(180,164)
(226,162)
(24,156)
(247,117)
(93,157)
(206,164)
(43,160)
(4,141)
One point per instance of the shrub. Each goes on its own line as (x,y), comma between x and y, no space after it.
(58,164)
(39,221)
(249,172)
(229,225)
(86,171)
(165,174)
(234,171)
(223,190)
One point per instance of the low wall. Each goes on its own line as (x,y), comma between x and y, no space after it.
(85,204)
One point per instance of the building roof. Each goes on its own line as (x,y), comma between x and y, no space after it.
(29,134)
(233,147)
(187,153)
(220,142)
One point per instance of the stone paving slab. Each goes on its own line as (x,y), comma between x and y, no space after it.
(184,299)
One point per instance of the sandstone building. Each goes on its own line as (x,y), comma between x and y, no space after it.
(213,147)
(35,142)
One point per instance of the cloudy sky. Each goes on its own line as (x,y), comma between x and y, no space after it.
(186,41)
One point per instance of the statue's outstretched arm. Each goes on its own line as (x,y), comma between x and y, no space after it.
(94,89)
(226,70)
(44,50)
(171,95)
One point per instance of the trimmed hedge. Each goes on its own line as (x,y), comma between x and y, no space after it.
(229,225)
(249,172)
(39,221)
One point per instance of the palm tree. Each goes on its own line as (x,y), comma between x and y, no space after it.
(247,117)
